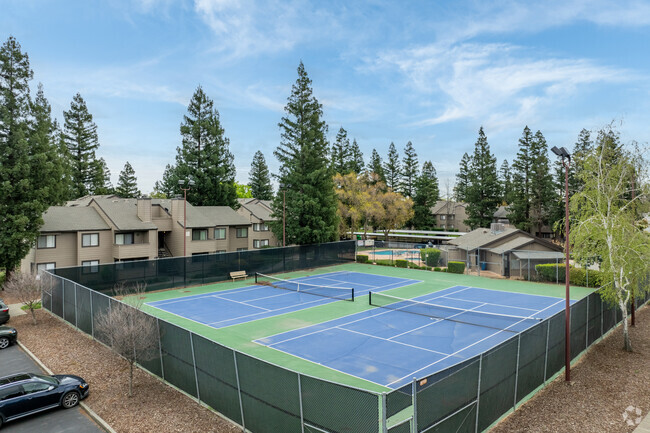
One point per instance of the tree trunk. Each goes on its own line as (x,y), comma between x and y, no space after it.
(33,315)
(130,379)
(627,344)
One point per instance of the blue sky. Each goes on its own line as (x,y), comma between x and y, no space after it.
(431,72)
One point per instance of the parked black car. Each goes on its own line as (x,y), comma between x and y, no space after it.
(4,312)
(27,393)
(8,335)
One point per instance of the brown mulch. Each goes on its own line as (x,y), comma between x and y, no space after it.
(154,407)
(605,382)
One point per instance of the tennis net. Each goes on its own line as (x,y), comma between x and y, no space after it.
(343,293)
(502,322)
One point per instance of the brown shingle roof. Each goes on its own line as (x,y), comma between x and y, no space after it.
(72,219)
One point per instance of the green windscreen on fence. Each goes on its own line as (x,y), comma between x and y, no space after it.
(217,377)
(555,356)
(398,400)
(69,313)
(441,395)
(270,396)
(57,297)
(100,305)
(175,272)
(578,327)
(532,359)
(84,313)
(338,408)
(498,370)
(594,330)
(401,428)
(178,365)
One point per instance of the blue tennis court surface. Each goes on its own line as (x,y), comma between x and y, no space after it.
(391,347)
(232,307)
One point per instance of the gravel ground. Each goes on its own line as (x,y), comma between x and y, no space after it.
(154,407)
(605,382)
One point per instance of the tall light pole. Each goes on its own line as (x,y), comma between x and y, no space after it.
(190,184)
(566,162)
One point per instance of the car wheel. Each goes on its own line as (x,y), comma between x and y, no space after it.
(4,343)
(70,399)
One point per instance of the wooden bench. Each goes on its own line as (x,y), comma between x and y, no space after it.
(238,274)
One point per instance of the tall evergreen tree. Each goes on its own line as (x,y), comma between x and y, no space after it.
(506,182)
(26,183)
(375,165)
(355,163)
(101,181)
(259,178)
(127,185)
(483,192)
(410,169)
(205,155)
(393,168)
(305,172)
(463,178)
(80,137)
(341,152)
(167,187)
(519,210)
(542,193)
(427,193)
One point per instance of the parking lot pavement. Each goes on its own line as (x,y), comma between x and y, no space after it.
(14,360)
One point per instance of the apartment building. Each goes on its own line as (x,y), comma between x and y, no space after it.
(105,229)
(450,215)
(259,213)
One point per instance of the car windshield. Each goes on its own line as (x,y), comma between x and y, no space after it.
(48,379)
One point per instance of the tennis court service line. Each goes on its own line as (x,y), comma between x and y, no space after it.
(467,347)
(386,339)
(334,326)
(491,303)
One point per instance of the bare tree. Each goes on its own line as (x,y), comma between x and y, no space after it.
(127,330)
(27,288)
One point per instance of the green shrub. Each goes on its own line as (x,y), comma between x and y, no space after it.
(456,267)
(362,258)
(577,276)
(436,269)
(402,263)
(430,256)
(384,263)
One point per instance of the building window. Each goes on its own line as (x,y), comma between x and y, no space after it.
(200,234)
(259,243)
(123,238)
(242,232)
(220,233)
(451,217)
(90,266)
(443,217)
(260,227)
(90,240)
(46,241)
(44,267)
(451,226)
(242,249)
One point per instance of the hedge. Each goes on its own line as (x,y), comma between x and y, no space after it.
(430,256)
(402,263)
(577,276)
(384,263)
(362,258)
(456,267)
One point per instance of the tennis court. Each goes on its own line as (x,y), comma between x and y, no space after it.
(272,297)
(409,338)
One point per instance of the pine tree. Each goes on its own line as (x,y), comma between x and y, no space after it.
(463,179)
(483,192)
(427,193)
(305,172)
(259,178)
(392,168)
(355,163)
(341,152)
(80,137)
(101,180)
(506,182)
(127,185)
(205,156)
(25,173)
(167,187)
(542,193)
(410,169)
(519,210)
(376,166)
(47,159)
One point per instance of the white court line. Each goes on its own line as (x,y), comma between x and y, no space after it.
(490,303)
(240,302)
(335,326)
(206,295)
(473,344)
(278,309)
(390,341)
